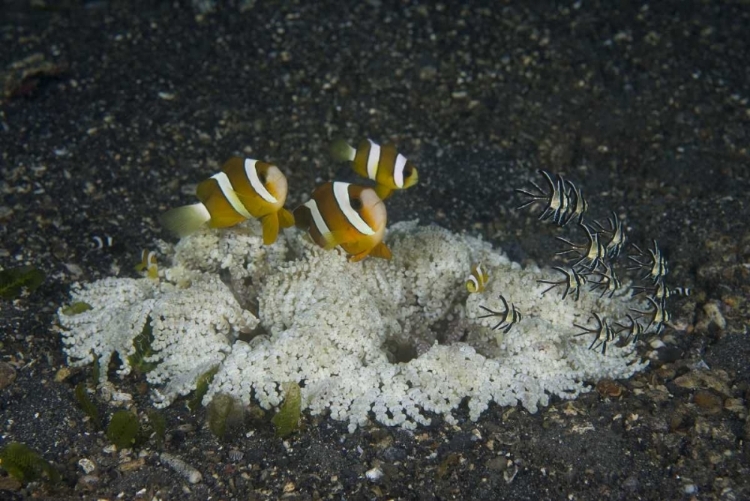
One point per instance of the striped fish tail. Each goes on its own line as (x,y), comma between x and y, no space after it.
(341,151)
(183,221)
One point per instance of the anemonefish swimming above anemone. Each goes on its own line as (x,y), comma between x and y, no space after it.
(346,215)
(383,164)
(244,189)
(477,279)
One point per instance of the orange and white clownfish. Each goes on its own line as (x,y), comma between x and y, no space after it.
(477,280)
(383,164)
(148,264)
(244,189)
(348,215)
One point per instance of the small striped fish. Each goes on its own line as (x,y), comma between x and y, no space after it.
(477,280)
(346,215)
(244,189)
(383,164)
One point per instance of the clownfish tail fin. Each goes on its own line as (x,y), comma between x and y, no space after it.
(341,151)
(183,221)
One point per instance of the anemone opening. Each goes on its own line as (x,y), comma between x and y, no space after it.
(400,351)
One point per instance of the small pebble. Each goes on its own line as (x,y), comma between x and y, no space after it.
(88,482)
(7,375)
(177,464)
(714,315)
(87,465)
(708,401)
(690,489)
(374,474)
(609,388)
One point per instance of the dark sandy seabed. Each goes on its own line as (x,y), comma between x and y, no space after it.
(110,111)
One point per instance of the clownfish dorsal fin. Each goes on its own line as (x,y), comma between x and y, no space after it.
(270,225)
(183,221)
(341,151)
(383,191)
(286,218)
(381,250)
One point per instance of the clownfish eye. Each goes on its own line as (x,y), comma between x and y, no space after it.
(408,171)
(356,204)
(262,177)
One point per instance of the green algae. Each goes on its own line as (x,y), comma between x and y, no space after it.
(24,464)
(87,405)
(142,343)
(157,425)
(76,308)
(286,421)
(124,429)
(226,416)
(13,280)
(201,388)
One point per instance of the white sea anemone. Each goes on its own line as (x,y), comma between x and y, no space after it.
(338,328)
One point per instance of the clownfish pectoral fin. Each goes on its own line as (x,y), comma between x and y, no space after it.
(270,228)
(341,151)
(381,250)
(286,218)
(383,191)
(183,221)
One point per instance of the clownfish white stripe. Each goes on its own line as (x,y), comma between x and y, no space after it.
(252,176)
(320,223)
(398,170)
(228,191)
(372,160)
(341,192)
(474,281)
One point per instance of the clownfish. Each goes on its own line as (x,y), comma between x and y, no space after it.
(477,280)
(348,215)
(244,189)
(389,169)
(148,264)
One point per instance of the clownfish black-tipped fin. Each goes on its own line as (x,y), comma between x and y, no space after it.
(286,218)
(183,221)
(270,225)
(383,191)
(341,151)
